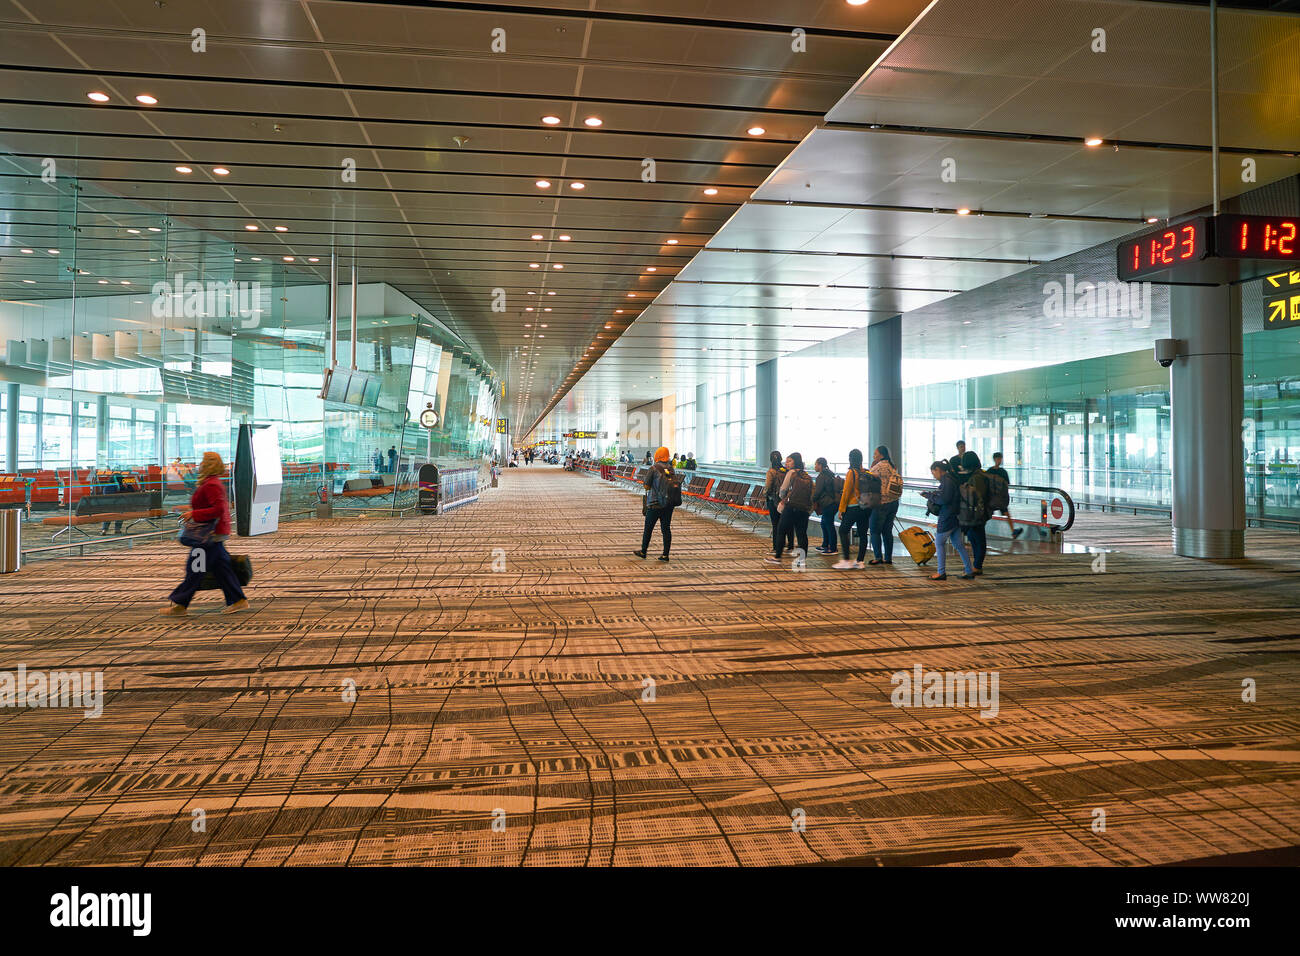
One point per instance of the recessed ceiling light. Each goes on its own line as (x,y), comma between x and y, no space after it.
(251,228)
(543,184)
(631,295)
(593,121)
(184,169)
(528,325)
(155,229)
(537,235)
(1151,219)
(103,282)
(257,258)
(281,228)
(288,258)
(1092,141)
(756,131)
(856,3)
(531,293)
(551,120)
(313,259)
(528,308)
(550,293)
(672,242)
(651,269)
(710,191)
(124,282)
(220,171)
(26,252)
(239,260)
(544,325)
(146,99)
(534,265)
(565,238)
(53,252)
(577,185)
(98,97)
(558,265)
(134,232)
(963,211)
(30,281)
(618,311)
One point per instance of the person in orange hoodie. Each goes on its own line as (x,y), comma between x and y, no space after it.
(658,509)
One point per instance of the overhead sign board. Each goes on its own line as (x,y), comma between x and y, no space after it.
(501,426)
(1282,300)
(585,434)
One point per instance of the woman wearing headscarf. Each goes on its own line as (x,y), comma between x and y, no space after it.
(657,508)
(208,527)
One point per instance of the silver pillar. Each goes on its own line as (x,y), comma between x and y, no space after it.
(11,428)
(101,431)
(1209,513)
(765,411)
(885,387)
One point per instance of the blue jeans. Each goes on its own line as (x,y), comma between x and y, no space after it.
(881,529)
(941,540)
(828,527)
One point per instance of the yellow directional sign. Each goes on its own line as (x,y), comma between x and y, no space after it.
(1282,300)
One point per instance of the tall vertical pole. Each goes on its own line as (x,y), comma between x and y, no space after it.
(354,313)
(1214,99)
(334,310)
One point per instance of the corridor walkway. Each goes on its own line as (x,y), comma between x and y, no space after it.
(529,693)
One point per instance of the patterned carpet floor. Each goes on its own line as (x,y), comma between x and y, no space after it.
(527,692)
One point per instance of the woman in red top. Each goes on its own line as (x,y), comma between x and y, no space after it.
(209,503)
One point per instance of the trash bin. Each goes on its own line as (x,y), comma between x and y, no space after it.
(11,540)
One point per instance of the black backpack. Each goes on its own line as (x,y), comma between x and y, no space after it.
(999,493)
(673,492)
(972,510)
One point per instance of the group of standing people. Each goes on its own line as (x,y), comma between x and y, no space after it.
(865,498)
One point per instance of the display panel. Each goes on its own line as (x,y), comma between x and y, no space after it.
(1257,237)
(1162,249)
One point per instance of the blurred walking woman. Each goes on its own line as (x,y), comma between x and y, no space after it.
(207,527)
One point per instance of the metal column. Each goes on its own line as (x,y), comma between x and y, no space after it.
(885,388)
(11,428)
(765,411)
(1209,506)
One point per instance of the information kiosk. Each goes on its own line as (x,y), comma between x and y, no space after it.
(259,475)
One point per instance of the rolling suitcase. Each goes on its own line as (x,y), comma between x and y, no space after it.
(919,543)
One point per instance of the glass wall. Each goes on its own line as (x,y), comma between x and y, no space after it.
(734,417)
(685,438)
(120,371)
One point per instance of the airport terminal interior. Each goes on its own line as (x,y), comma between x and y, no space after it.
(437,315)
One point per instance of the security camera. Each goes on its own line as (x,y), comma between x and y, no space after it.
(1166,351)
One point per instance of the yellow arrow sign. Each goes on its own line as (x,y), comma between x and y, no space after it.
(1290,278)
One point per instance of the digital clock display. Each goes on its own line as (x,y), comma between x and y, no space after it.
(1162,249)
(1257,237)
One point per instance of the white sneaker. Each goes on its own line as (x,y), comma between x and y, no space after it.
(842,565)
(859,565)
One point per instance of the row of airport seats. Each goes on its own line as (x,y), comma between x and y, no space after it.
(727,499)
